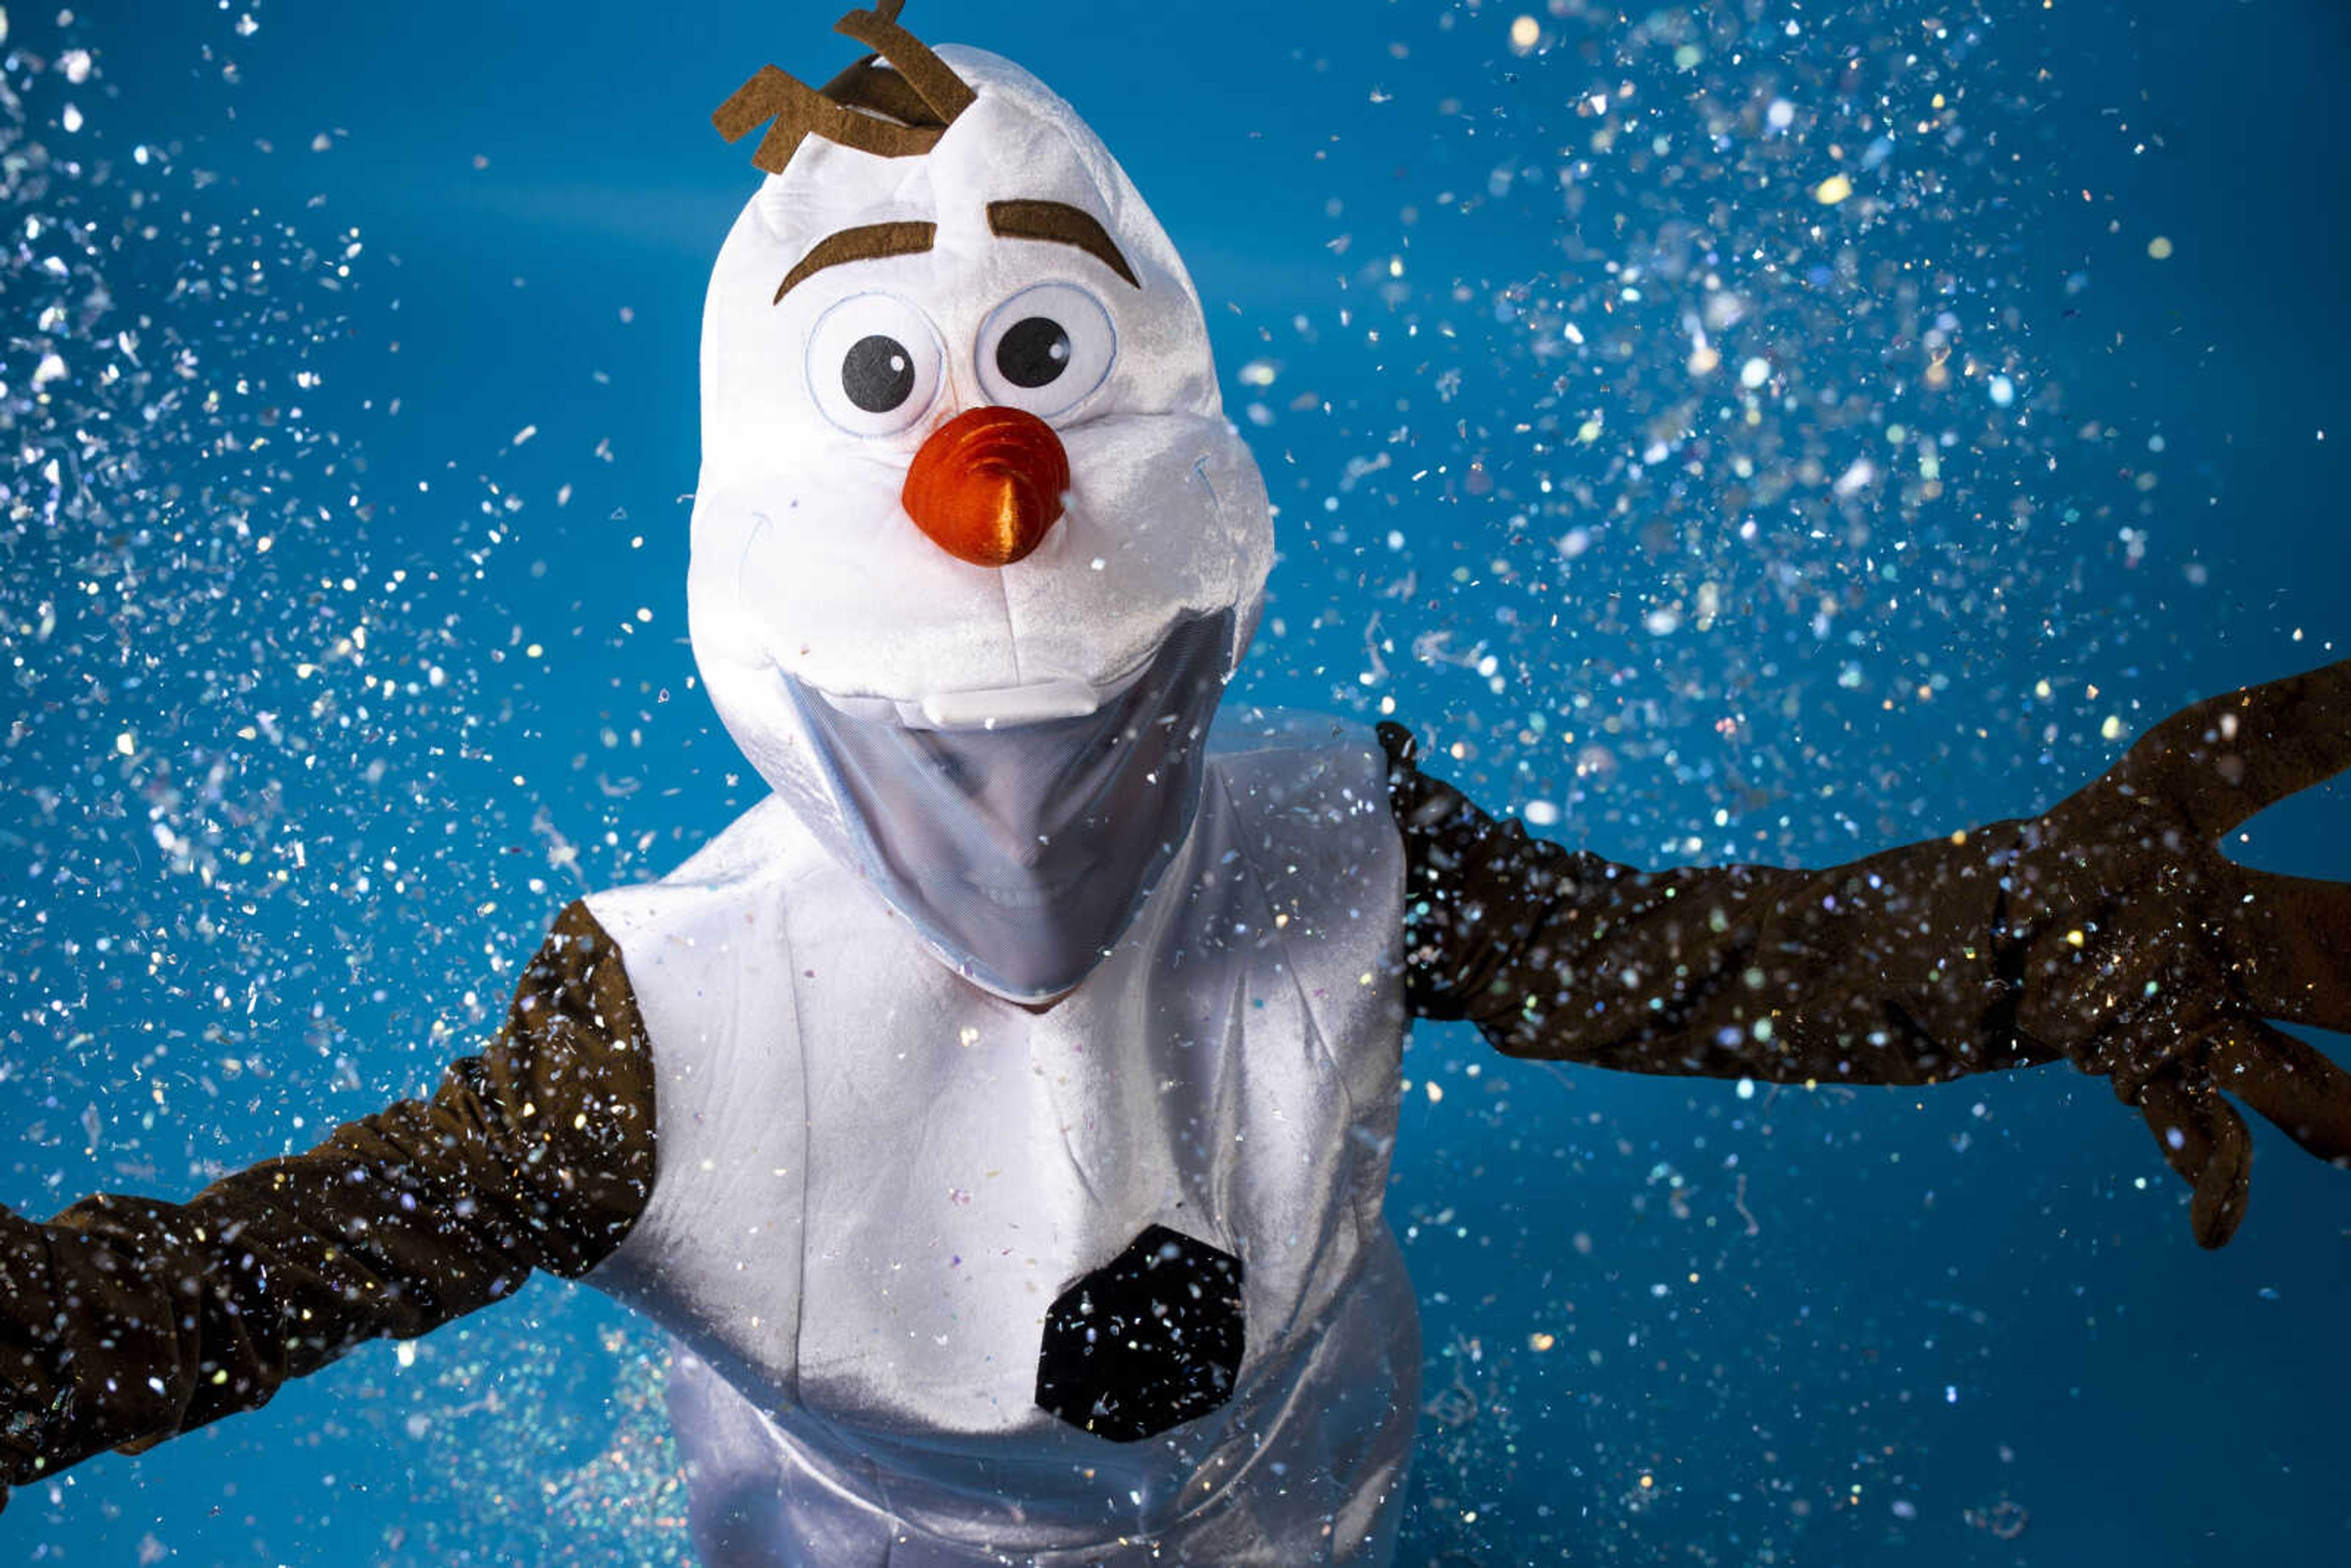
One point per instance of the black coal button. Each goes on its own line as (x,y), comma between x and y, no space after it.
(1147,1341)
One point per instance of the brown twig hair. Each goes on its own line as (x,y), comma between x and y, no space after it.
(894,103)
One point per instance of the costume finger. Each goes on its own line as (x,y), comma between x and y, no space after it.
(2290,941)
(2226,757)
(2289,1081)
(2206,1142)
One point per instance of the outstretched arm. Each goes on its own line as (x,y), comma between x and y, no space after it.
(125,1321)
(1883,971)
(2110,932)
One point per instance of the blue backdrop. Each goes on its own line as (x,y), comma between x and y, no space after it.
(1737,431)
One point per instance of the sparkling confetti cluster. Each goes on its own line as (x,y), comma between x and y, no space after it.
(1700,431)
(261,868)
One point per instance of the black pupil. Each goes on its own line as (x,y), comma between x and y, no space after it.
(1034,354)
(879,374)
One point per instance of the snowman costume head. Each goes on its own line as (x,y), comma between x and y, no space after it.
(973,548)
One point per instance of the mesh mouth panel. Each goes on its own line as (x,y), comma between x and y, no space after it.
(1021,853)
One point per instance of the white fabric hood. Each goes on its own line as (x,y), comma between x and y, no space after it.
(808,574)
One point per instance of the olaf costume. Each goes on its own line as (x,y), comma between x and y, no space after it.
(885,1170)
(999,1115)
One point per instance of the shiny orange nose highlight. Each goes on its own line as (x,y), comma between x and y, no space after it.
(987,485)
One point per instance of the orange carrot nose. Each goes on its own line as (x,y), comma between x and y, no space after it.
(987,485)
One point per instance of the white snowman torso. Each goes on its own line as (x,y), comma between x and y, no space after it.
(876,1180)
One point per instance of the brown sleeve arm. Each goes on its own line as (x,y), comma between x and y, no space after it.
(1893,969)
(125,1321)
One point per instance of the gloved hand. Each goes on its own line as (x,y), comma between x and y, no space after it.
(2143,953)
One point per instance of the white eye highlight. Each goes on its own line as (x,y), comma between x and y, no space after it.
(1046,349)
(874,364)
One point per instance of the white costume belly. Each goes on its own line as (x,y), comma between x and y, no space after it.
(874,1180)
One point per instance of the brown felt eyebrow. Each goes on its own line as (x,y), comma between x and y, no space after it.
(870,243)
(1063,224)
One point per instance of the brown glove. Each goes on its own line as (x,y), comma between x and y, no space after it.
(125,1321)
(2110,932)
(2151,957)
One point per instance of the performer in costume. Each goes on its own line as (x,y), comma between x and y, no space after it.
(998,1115)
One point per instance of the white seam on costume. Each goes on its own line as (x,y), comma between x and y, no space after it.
(808,1140)
(1307,1012)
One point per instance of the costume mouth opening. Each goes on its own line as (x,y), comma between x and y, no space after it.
(1021,853)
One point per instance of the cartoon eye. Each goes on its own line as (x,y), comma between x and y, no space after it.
(874,364)
(1046,349)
